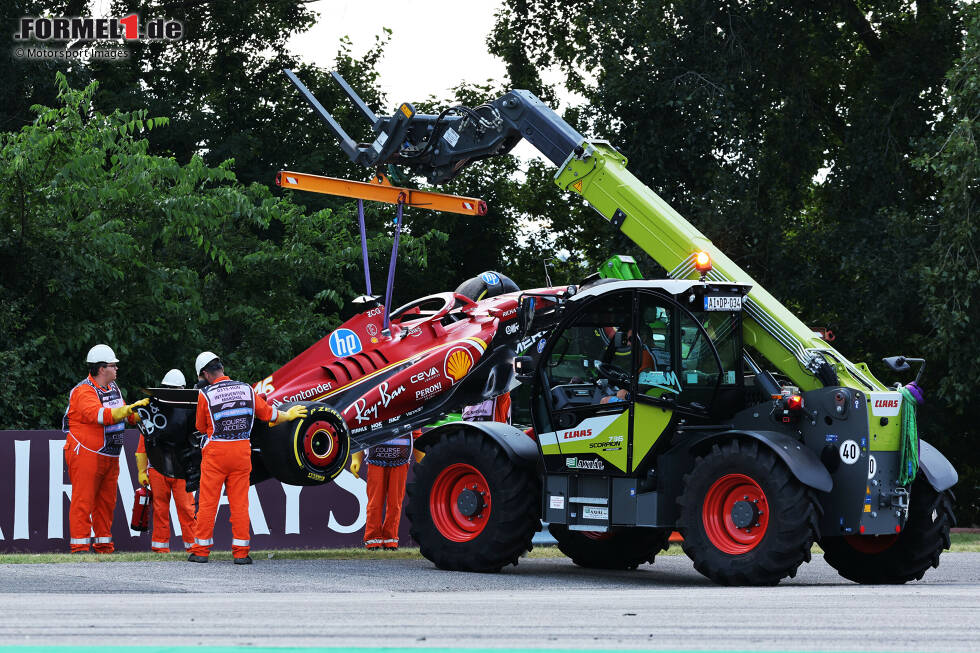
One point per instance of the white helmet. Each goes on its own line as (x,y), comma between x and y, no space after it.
(174,379)
(101,354)
(203,359)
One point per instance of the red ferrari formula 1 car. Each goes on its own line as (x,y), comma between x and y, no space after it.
(363,383)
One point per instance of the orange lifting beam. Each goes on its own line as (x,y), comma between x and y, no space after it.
(381,190)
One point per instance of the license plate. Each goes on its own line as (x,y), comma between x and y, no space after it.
(595,512)
(722,303)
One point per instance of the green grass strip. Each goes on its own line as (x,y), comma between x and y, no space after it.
(961,542)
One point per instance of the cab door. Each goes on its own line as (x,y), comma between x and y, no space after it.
(588,413)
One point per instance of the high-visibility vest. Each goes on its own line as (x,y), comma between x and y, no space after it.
(232,407)
(112,434)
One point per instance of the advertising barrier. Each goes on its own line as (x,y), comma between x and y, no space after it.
(35,494)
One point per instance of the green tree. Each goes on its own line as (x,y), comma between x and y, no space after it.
(103,242)
(25,82)
(950,270)
(729,110)
(793,134)
(222,85)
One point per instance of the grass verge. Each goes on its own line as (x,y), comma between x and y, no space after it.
(961,542)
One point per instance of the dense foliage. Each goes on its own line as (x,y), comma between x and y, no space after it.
(829,149)
(102,241)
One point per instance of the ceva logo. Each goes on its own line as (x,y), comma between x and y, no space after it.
(344,342)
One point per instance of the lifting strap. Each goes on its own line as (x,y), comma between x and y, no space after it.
(364,249)
(909,465)
(394,259)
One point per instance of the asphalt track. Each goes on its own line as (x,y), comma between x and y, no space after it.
(542,603)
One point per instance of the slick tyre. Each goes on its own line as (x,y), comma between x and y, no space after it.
(471,507)
(485,285)
(746,520)
(625,548)
(308,451)
(897,559)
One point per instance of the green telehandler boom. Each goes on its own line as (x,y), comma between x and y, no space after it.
(650,412)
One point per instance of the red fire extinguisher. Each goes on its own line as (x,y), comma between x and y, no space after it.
(141,509)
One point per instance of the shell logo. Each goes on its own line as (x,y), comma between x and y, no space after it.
(458,363)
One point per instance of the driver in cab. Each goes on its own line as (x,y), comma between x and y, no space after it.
(619,354)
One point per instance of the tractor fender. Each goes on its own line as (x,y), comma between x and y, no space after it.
(938,470)
(521,449)
(803,463)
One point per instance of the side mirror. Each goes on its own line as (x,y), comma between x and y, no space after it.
(525,313)
(901,364)
(896,363)
(524,368)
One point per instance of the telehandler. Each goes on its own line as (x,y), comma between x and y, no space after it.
(697,403)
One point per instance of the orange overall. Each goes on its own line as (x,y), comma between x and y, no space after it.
(162,488)
(387,471)
(226,411)
(92,445)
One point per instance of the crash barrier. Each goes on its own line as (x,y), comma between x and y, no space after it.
(35,494)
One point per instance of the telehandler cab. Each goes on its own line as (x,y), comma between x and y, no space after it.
(698,403)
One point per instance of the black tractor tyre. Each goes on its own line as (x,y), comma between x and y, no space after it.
(745,518)
(311,450)
(486,285)
(897,559)
(624,548)
(471,507)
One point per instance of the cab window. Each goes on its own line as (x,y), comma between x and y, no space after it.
(723,329)
(656,374)
(597,335)
(699,367)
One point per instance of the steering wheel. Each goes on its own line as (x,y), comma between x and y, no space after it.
(448,300)
(615,374)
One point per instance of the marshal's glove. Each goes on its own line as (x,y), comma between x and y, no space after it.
(295,412)
(356,459)
(142,464)
(125,411)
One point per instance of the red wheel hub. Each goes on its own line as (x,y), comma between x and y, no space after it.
(735,514)
(321,443)
(460,502)
(597,535)
(870,543)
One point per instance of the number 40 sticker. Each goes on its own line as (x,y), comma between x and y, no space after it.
(849,452)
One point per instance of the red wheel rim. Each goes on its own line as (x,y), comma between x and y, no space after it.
(597,535)
(870,543)
(449,486)
(719,523)
(321,444)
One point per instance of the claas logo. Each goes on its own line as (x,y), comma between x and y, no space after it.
(886,403)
